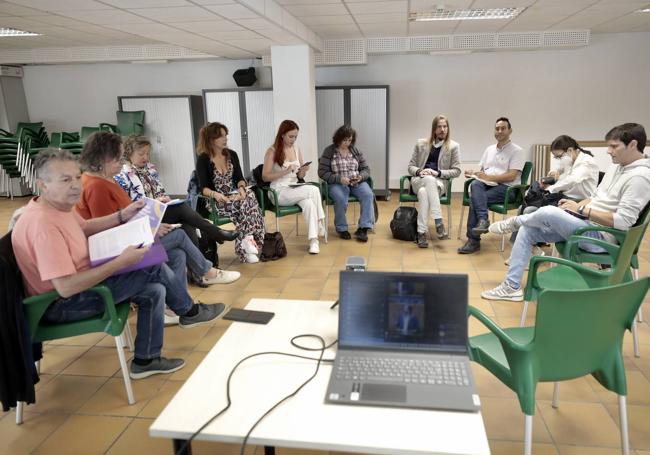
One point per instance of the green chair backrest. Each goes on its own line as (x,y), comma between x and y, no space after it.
(130,122)
(33,127)
(579,332)
(525,172)
(86,131)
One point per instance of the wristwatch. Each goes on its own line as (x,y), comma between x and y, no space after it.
(581,208)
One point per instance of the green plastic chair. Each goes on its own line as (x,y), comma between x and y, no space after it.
(576,333)
(130,122)
(86,132)
(266,204)
(328,201)
(518,190)
(406,195)
(114,321)
(213,214)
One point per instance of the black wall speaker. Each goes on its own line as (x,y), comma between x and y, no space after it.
(245,77)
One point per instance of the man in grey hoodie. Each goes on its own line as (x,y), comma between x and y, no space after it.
(620,197)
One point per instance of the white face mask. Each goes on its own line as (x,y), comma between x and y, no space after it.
(563,163)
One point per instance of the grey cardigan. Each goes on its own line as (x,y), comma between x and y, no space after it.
(325,165)
(448,161)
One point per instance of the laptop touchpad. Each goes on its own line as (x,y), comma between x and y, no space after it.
(383,392)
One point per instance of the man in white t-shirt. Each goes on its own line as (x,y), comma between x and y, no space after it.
(500,167)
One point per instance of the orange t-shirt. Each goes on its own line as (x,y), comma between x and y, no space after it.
(48,244)
(100,197)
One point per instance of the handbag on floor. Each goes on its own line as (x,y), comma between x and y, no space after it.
(273,248)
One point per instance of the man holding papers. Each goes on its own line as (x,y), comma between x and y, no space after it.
(50,244)
(501,166)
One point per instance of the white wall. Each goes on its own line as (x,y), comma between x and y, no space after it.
(581,92)
(67,97)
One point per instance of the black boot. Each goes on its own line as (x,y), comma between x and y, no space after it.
(221,235)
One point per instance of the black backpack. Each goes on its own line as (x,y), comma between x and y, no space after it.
(404,224)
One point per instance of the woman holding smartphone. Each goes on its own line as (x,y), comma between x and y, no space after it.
(283,166)
(220,178)
(345,170)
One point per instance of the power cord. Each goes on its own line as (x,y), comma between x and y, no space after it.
(320,359)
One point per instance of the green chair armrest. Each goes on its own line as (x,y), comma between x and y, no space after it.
(537,261)
(573,244)
(617,233)
(503,337)
(521,189)
(325,191)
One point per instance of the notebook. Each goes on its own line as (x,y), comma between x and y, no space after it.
(403,342)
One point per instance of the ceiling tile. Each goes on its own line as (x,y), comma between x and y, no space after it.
(221,25)
(21,23)
(233,11)
(380,18)
(326,9)
(103,31)
(479,26)
(260,45)
(175,14)
(256,24)
(62,5)
(427,5)
(106,17)
(327,20)
(129,4)
(398,6)
(214,2)
(337,31)
(304,2)
(431,28)
(51,19)
(502,3)
(373,30)
(17,10)
(147,29)
(227,36)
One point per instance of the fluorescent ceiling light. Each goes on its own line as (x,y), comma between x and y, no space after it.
(14,32)
(465,14)
(643,10)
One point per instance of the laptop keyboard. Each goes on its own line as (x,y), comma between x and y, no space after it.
(408,371)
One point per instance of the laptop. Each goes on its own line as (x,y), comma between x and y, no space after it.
(403,342)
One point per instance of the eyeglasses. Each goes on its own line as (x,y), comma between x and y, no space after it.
(558,155)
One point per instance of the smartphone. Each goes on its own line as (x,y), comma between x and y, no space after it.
(305,164)
(548,180)
(252,316)
(576,214)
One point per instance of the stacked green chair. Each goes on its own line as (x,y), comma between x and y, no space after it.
(406,195)
(517,190)
(86,131)
(128,123)
(576,333)
(327,200)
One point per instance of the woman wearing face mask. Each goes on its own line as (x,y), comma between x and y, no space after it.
(283,166)
(576,174)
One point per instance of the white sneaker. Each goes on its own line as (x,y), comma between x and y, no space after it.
(252,258)
(504,292)
(314,248)
(505,226)
(171,318)
(223,277)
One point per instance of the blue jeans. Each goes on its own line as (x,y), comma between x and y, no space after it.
(481,196)
(149,288)
(549,225)
(340,193)
(183,253)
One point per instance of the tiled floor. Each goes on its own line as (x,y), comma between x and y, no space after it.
(81,404)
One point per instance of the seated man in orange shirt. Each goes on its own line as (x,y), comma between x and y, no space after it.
(51,248)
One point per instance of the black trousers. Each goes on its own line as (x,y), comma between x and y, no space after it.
(191,221)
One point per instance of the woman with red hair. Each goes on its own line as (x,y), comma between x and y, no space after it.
(283,166)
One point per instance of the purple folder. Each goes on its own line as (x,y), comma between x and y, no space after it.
(156,255)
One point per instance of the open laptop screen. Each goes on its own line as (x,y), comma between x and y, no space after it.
(408,311)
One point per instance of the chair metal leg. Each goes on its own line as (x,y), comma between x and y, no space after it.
(19,412)
(296,225)
(125,369)
(524,310)
(129,337)
(622,411)
(635,276)
(449,221)
(556,395)
(635,338)
(460,223)
(277,224)
(528,435)
(503,237)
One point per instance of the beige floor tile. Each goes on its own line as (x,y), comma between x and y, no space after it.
(307,284)
(276,272)
(284,451)
(311,272)
(22,439)
(638,390)
(484,305)
(84,435)
(191,362)
(581,450)
(382,262)
(66,394)
(184,339)
(504,420)
(111,398)
(57,358)
(160,400)
(507,309)
(586,424)
(517,448)
(318,260)
(210,339)
(266,285)
(90,339)
(136,440)
(570,391)
(97,361)
(488,385)
(301,294)
(638,422)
